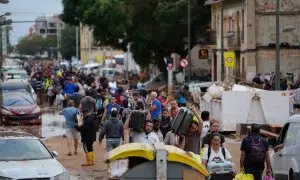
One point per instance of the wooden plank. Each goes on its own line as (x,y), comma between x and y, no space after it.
(265,133)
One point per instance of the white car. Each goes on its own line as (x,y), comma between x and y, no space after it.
(286,161)
(23,156)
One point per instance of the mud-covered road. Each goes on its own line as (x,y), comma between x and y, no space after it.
(51,132)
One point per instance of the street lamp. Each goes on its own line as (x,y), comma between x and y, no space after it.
(189,40)
(4,1)
(277,64)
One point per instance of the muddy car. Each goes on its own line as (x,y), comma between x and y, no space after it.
(19,108)
(23,156)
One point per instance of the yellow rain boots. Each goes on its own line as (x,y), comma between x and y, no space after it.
(89,159)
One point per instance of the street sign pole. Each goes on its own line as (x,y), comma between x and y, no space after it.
(170,80)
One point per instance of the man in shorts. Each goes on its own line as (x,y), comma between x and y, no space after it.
(71,133)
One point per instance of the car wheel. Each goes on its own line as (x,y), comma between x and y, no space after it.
(291,175)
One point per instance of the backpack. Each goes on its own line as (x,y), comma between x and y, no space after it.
(125,114)
(99,104)
(257,154)
(209,152)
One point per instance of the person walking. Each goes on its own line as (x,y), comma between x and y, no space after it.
(70,114)
(113,130)
(255,153)
(88,128)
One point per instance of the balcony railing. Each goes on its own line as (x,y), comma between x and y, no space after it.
(233,40)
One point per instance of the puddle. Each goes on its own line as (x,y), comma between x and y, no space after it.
(52,125)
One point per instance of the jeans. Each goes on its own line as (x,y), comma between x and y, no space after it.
(257,173)
(112,143)
(88,146)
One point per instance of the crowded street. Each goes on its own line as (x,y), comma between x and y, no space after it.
(149,89)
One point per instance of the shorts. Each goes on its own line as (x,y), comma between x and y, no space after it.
(72,133)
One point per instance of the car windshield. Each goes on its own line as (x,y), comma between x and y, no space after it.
(12,87)
(22,150)
(17,100)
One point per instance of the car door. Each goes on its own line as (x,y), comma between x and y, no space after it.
(278,168)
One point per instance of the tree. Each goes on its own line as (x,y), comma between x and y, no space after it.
(68,42)
(32,45)
(154,28)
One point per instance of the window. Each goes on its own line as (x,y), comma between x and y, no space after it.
(17,101)
(52,25)
(22,150)
(283,133)
(42,31)
(292,134)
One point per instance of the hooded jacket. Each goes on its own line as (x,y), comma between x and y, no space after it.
(113,128)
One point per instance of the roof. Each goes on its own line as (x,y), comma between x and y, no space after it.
(16,81)
(16,135)
(10,82)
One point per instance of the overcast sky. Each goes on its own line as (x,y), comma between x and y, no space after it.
(28,10)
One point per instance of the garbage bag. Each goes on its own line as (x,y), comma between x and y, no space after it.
(243,176)
(268,178)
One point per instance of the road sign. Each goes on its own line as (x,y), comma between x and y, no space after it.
(229,58)
(184,63)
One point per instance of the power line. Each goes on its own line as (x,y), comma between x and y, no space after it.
(31,12)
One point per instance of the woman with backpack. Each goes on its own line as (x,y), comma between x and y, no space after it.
(215,153)
(217,160)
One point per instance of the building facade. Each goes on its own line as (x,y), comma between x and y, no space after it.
(48,26)
(90,52)
(249,29)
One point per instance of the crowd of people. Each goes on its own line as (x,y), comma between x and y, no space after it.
(92,104)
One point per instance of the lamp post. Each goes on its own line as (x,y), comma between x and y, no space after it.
(222,41)
(2,23)
(189,40)
(277,64)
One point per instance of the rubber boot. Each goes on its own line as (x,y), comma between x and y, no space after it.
(89,159)
(92,158)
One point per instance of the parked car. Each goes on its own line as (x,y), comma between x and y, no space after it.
(109,73)
(13,85)
(20,108)
(24,156)
(286,161)
(16,74)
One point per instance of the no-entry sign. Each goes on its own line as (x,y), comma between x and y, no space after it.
(183,63)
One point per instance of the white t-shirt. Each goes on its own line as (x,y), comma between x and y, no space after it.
(142,137)
(205,128)
(217,157)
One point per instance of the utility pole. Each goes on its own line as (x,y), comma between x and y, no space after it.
(222,41)
(189,39)
(90,45)
(277,66)
(77,44)
(127,62)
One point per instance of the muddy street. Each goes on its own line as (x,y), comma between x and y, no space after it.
(51,132)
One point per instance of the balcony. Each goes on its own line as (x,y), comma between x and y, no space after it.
(233,40)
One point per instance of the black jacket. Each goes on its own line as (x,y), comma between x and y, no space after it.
(113,128)
(88,129)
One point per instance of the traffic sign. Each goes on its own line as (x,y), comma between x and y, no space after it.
(184,63)
(229,58)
